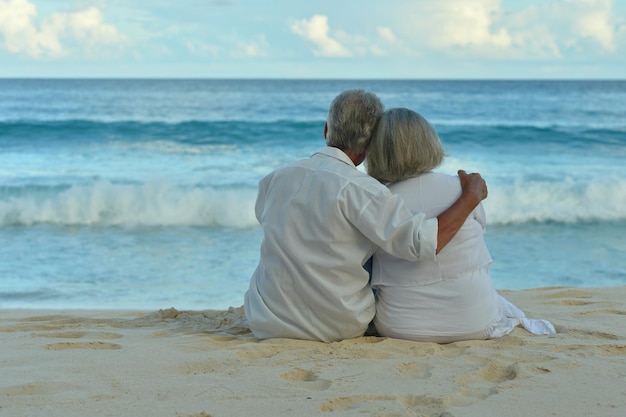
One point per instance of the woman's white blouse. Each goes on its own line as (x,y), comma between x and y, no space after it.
(450,295)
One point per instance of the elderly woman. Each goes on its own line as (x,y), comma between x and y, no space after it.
(449,298)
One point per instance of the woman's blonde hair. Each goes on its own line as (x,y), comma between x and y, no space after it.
(403,145)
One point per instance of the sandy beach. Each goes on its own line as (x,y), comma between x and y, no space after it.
(206,363)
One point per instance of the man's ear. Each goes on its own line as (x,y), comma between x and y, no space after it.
(325,129)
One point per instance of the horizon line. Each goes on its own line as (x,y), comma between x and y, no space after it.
(300,79)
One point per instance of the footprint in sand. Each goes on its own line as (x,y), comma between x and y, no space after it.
(570,303)
(568,293)
(83,345)
(79,335)
(608,312)
(594,334)
(257,352)
(345,403)
(35,388)
(472,385)
(424,406)
(614,350)
(415,369)
(96,344)
(308,378)
(497,373)
(420,405)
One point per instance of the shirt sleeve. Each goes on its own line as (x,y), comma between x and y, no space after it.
(386,221)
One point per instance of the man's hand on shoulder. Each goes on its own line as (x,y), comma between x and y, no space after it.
(473,185)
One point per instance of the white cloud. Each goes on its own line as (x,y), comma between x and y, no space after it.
(316,30)
(201,48)
(486,28)
(84,28)
(387,34)
(471,23)
(20,35)
(254,48)
(387,43)
(592,19)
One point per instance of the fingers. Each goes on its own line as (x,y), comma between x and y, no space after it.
(465,176)
(473,183)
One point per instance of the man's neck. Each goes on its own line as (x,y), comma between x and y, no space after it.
(356,158)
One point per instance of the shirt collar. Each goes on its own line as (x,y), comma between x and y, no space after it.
(335,153)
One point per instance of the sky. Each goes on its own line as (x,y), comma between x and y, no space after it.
(321,39)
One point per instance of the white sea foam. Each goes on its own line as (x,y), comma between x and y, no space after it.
(567,201)
(155,203)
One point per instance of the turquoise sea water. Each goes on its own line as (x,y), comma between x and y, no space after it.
(140,193)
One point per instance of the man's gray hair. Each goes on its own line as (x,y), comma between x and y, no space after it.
(404,145)
(352,117)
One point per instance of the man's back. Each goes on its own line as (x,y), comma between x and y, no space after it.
(309,283)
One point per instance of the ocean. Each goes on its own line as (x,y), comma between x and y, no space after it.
(139,194)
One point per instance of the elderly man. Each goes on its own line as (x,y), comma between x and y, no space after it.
(322,219)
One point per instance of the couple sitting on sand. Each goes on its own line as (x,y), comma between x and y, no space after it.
(323,220)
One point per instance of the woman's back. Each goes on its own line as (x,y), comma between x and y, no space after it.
(445,299)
